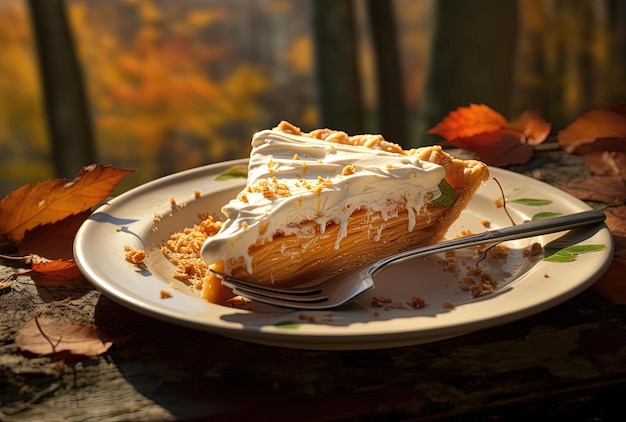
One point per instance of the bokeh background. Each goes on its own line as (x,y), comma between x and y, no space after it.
(162,86)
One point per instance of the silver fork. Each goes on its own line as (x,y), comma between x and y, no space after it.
(344,287)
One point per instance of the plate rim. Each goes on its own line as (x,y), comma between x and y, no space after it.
(375,339)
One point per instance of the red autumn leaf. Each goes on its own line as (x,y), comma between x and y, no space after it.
(595,126)
(46,336)
(497,149)
(48,202)
(616,145)
(486,133)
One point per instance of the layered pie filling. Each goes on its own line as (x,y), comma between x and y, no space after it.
(322,202)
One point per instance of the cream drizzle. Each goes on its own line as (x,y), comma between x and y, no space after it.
(380,181)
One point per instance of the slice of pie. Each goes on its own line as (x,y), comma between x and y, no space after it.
(322,202)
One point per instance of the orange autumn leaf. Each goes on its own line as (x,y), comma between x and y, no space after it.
(604,125)
(469,121)
(57,268)
(48,202)
(54,240)
(47,336)
(532,126)
(606,189)
(487,133)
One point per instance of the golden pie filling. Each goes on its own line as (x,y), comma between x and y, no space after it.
(322,202)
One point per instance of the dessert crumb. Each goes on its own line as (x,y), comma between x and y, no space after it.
(447,304)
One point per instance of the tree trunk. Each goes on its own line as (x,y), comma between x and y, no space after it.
(472,58)
(66,107)
(391,104)
(339,85)
(570,58)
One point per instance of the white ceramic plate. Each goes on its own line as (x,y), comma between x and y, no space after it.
(131,219)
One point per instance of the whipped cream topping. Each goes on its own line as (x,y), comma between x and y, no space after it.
(295,178)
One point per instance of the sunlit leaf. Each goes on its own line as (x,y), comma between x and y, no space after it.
(465,122)
(287,325)
(233,173)
(57,268)
(448,195)
(570,253)
(486,133)
(48,202)
(53,240)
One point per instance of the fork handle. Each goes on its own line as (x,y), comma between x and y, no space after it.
(520,231)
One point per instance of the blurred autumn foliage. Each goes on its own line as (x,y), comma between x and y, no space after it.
(174,85)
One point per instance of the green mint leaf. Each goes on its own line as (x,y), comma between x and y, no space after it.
(233,172)
(570,253)
(544,215)
(287,325)
(532,202)
(448,195)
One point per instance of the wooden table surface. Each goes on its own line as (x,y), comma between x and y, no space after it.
(569,361)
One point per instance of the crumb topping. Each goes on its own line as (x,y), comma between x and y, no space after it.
(316,186)
(269,188)
(134,256)
(348,170)
(183,250)
(272,166)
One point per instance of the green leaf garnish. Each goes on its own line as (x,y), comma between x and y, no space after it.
(544,215)
(287,325)
(233,172)
(570,253)
(532,201)
(448,195)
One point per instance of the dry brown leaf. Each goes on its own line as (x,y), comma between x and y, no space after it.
(46,336)
(616,145)
(606,189)
(48,202)
(612,284)
(606,125)
(606,163)
(616,222)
